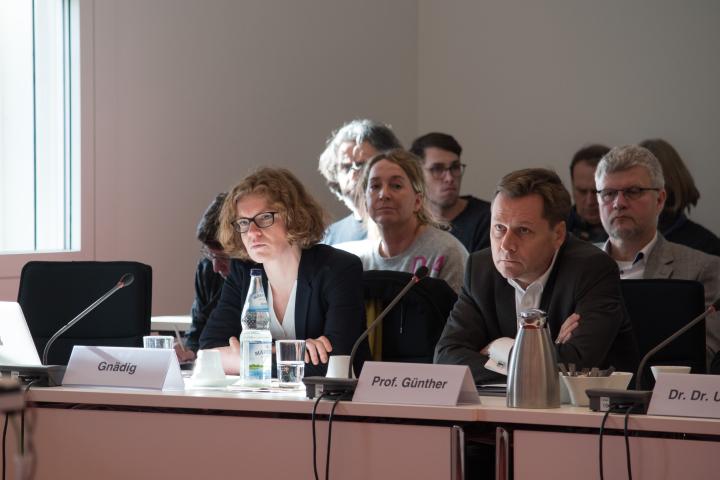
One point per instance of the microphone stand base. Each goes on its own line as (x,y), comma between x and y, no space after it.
(602,399)
(342,387)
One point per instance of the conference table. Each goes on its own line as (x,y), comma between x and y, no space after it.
(109,433)
(170,323)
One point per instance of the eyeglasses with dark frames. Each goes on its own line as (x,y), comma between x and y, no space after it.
(262,220)
(455,169)
(608,195)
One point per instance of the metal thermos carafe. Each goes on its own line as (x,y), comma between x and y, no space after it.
(533,380)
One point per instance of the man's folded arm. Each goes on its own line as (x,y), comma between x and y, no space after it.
(465,335)
(599,304)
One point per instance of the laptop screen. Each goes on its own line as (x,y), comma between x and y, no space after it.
(16,343)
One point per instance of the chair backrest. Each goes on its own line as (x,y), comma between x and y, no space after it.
(53,293)
(657,309)
(412,328)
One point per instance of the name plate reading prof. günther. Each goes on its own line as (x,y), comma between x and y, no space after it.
(415,383)
(123,367)
(686,395)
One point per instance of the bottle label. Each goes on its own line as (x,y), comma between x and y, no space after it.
(259,360)
(258,308)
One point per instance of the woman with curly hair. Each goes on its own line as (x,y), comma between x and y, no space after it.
(314,291)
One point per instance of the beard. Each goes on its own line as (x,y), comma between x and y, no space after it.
(624,233)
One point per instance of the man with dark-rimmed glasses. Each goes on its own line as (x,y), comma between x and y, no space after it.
(631,194)
(469,217)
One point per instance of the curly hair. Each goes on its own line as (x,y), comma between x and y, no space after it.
(377,134)
(302,214)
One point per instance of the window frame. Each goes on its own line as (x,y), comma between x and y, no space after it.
(11,264)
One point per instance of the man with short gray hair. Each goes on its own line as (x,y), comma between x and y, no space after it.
(631,194)
(340,163)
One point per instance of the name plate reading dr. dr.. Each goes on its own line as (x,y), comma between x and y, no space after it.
(123,367)
(415,383)
(686,395)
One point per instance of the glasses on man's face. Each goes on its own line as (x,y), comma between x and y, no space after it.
(608,195)
(208,253)
(351,166)
(455,169)
(262,220)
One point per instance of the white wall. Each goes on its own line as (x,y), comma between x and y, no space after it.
(190,95)
(523,83)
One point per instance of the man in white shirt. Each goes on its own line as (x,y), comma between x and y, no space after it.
(631,194)
(533,263)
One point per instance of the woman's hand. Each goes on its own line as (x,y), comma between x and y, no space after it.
(230,356)
(317,350)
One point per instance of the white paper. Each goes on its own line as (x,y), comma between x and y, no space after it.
(415,383)
(686,395)
(499,353)
(123,367)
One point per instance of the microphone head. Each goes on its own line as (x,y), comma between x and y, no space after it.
(421,273)
(716,305)
(126,280)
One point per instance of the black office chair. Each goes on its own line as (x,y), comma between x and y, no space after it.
(412,328)
(657,309)
(53,293)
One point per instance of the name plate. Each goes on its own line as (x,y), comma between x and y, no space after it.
(123,367)
(686,395)
(415,383)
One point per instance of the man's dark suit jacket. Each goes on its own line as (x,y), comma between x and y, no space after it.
(584,280)
(329,301)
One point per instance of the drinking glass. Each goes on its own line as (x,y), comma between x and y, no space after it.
(290,356)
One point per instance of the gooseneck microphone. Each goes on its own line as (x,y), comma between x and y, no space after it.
(347,385)
(601,399)
(420,273)
(124,281)
(712,308)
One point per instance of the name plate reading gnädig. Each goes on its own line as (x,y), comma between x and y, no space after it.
(686,395)
(415,383)
(123,367)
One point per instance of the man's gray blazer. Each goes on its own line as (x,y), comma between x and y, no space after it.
(672,260)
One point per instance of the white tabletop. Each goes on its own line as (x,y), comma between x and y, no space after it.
(168,323)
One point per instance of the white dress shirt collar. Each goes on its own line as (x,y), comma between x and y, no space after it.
(529,297)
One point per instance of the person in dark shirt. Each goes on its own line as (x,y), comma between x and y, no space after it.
(341,163)
(584,219)
(682,195)
(469,217)
(210,275)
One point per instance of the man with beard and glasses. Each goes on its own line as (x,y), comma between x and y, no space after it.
(631,193)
